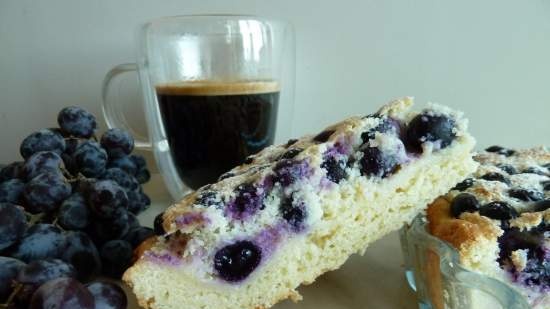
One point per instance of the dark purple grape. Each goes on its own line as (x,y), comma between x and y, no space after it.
(121,178)
(158,224)
(136,201)
(132,221)
(124,163)
(71,144)
(107,295)
(500,150)
(106,197)
(496,177)
(294,213)
(237,261)
(11,191)
(90,159)
(117,142)
(335,169)
(323,136)
(376,163)
(9,268)
(116,256)
(11,171)
(36,273)
(13,224)
(498,210)
(76,122)
(62,293)
(43,140)
(41,162)
(527,195)
(102,230)
(41,241)
(45,192)
(464,202)
(81,252)
(427,127)
(139,161)
(137,235)
(143,175)
(73,213)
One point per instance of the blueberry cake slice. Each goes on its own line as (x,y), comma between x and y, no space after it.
(295,211)
(499,220)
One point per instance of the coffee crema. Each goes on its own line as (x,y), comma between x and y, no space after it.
(213,126)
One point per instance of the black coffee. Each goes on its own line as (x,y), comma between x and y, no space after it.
(212,127)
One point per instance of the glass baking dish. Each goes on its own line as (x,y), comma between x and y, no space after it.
(434,272)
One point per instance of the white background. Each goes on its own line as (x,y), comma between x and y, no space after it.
(488,58)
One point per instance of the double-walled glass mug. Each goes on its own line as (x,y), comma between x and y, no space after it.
(216,90)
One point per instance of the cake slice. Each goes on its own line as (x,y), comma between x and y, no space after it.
(295,211)
(499,220)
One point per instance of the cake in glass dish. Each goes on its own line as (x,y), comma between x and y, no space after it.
(499,220)
(295,211)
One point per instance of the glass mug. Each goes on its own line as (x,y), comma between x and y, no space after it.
(216,89)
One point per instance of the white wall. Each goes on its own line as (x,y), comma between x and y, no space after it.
(488,58)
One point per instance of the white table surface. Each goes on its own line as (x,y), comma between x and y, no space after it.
(373,281)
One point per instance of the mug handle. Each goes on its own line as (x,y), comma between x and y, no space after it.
(114,116)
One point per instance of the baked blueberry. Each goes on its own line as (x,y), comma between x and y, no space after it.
(237,261)
(464,202)
(508,169)
(247,201)
(514,239)
(498,210)
(291,142)
(534,170)
(496,177)
(429,128)
(249,160)
(288,171)
(158,224)
(206,198)
(500,150)
(376,163)
(335,169)
(546,185)
(541,205)
(293,212)
(386,125)
(226,175)
(463,185)
(323,136)
(526,194)
(291,153)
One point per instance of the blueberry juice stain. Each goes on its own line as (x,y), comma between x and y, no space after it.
(212,126)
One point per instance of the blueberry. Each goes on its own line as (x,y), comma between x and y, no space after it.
(107,295)
(9,268)
(43,140)
(226,175)
(290,142)
(526,194)
(41,162)
(73,213)
(291,153)
(45,192)
(81,252)
(293,212)
(237,261)
(247,201)
(288,171)
(206,198)
(106,197)
(11,171)
(376,163)
(536,273)
(514,239)
(534,170)
(335,169)
(77,122)
(500,150)
(122,178)
(126,164)
(11,191)
(464,202)
(158,224)
(62,293)
(90,159)
(386,125)
(41,241)
(323,136)
(541,205)
(137,235)
(496,177)
(116,256)
(429,128)
(117,142)
(508,169)
(498,210)
(13,224)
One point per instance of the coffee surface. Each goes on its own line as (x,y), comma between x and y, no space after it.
(213,126)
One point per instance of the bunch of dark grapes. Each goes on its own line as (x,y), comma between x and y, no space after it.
(68,215)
